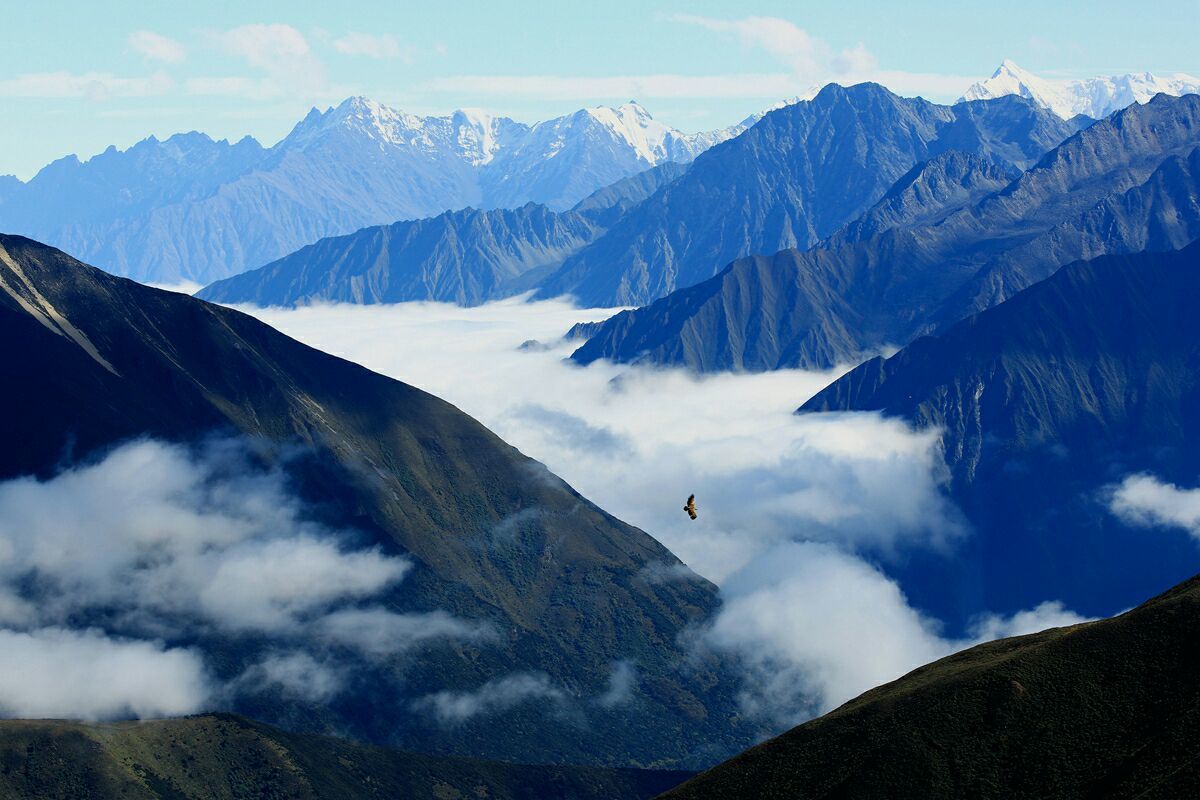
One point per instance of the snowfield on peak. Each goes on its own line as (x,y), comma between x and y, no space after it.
(1094,97)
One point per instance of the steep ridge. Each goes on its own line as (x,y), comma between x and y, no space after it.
(1103,709)
(103,359)
(224,756)
(846,298)
(1093,97)
(466,257)
(929,192)
(192,209)
(1045,402)
(793,179)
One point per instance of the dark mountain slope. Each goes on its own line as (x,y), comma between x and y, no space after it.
(929,192)
(102,359)
(466,257)
(791,180)
(224,756)
(1133,171)
(1103,709)
(1069,386)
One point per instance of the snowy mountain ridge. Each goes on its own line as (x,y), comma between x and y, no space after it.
(190,208)
(1095,97)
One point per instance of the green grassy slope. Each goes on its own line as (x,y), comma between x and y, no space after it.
(223,757)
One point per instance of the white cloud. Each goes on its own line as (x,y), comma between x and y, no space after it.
(379,633)
(297,675)
(622,684)
(92,85)
(266,46)
(1050,614)
(1145,500)
(381,46)
(814,62)
(156,47)
(808,56)
(84,674)
(815,626)
(282,55)
(494,697)
(162,540)
(157,530)
(272,585)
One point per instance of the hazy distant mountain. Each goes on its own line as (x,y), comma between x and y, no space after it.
(225,756)
(1043,401)
(792,179)
(1127,183)
(493,537)
(1092,97)
(1103,709)
(193,209)
(465,257)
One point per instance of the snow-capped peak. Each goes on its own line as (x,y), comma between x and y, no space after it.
(632,124)
(1095,97)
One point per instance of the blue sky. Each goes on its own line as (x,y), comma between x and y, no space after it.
(78,76)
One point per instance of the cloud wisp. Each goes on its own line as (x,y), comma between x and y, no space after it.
(1146,501)
(807,62)
(156,47)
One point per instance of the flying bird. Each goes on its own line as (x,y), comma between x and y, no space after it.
(690,508)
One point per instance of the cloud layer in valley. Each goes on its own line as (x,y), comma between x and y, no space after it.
(103,565)
(799,516)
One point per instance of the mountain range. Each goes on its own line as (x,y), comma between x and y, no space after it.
(193,209)
(494,540)
(466,257)
(800,173)
(792,179)
(1124,184)
(1102,709)
(1091,97)
(1044,404)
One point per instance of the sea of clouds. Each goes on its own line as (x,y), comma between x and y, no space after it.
(799,516)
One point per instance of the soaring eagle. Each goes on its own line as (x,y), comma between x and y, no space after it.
(690,508)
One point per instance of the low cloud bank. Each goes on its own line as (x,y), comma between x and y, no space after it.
(159,542)
(55,672)
(798,515)
(815,626)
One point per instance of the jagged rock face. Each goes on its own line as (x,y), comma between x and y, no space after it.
(103,359)
(793,179)
(465,257)
(1126,183)
(1043,401)
(193,209)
